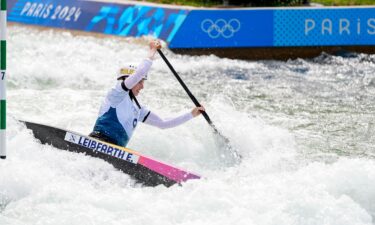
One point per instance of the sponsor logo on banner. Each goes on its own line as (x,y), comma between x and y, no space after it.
(220,27)
(225,29)
(137,20)
(97,146)
(50,11)
(341,26)
(324,27)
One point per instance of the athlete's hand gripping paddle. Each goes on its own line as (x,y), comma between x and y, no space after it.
(195,101)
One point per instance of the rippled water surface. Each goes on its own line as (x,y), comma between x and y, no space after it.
(305,130)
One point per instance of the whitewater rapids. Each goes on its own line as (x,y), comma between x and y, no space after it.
(305,129)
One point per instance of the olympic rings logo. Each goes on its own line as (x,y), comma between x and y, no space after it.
(220,27)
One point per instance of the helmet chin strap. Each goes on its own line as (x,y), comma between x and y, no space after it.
(132,97)
(131,94)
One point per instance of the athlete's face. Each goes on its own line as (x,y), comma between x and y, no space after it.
(138,87)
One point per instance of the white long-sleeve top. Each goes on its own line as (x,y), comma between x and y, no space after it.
(156,121)
(120,114)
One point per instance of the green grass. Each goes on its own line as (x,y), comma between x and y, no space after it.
(345,2)
(197,3)
(218,3)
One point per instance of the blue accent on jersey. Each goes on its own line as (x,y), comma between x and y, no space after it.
(109,125)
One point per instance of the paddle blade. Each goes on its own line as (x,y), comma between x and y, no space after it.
(229,149)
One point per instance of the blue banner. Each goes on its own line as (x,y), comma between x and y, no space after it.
(216,28)
(324,27)
(137,20)
(62,14)
(225,28)
(107,18)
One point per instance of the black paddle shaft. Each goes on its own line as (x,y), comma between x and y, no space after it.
(205,115)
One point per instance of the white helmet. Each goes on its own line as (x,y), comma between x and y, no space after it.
(126,71)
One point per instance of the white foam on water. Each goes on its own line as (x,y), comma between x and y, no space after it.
(288,173)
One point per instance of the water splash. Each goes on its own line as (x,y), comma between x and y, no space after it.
(303,127)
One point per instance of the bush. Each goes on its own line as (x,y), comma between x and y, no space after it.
(256,3)
(267,2)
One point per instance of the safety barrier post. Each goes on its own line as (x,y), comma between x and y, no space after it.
(3,26)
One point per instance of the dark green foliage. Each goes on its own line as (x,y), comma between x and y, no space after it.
(229,3)
(268,2)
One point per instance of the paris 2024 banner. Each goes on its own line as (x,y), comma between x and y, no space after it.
(273,27)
